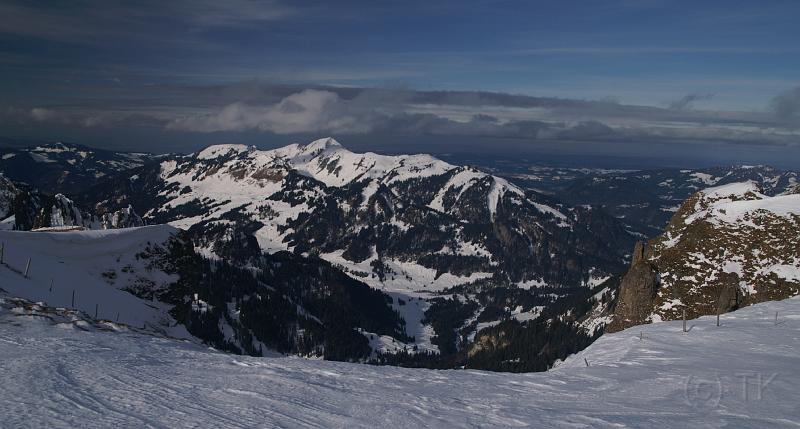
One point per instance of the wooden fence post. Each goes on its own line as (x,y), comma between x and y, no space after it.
(586,362)
(27,267)
(51,285)
(73,299)
(684,320)
(2,251)
(96,308)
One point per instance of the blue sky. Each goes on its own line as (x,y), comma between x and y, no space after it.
(596,74)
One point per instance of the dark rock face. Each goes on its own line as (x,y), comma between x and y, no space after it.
(639,252)
(727,294)
(33,210)
(637,293)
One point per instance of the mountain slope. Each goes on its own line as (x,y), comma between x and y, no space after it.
(398,222)
(413,226)
(58,373)
(65,167)
(97,265)
(727,246)
(152,279)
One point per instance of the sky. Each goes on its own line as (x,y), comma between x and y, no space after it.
(694,81)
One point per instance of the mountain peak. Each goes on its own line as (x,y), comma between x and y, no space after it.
(737,190)
(219,150)
(320,145)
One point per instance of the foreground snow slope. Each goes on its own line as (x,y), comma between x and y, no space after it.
(97,266)
(54,373)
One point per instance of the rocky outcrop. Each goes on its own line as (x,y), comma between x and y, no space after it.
(725,247)
(125,217)
(32,210)
(637,292)
(488,342)
(639,252)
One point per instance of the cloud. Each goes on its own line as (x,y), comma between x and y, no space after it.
(398,112)
(41,114)
(303,112)
(373,111)
(261,107)
(787,105)
(686,101)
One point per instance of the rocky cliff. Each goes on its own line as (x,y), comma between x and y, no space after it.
(726,247)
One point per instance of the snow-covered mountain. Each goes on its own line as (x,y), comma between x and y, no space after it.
(65,167)
(467,249)
(726,247)
(456,250)
(406,223)
(467,259)
(60,369)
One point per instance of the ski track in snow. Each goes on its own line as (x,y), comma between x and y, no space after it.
(66,377)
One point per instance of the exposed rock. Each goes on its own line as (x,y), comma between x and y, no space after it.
(725,247)
(637,293)
(488,342)
(123,218)
(639,252)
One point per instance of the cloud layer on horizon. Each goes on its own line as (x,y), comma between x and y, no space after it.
(289,110)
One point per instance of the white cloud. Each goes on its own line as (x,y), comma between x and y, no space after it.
(41,114)
(306,111)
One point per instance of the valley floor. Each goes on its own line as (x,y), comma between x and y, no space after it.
(59,371)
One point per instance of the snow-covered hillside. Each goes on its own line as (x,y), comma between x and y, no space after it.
(59,371)
(98,267)
(151,279)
